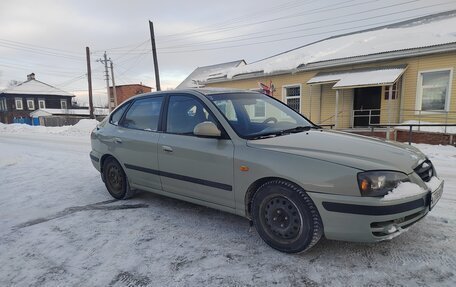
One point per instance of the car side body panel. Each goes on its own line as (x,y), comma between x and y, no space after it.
(197,167)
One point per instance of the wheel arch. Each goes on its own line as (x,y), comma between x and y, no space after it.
(102,161)
(253,188)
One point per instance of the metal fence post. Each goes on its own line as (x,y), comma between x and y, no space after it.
(419,119)
(410,134)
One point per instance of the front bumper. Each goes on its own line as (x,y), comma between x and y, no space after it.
(369,219)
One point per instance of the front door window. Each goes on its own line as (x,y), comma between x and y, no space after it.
(184,113)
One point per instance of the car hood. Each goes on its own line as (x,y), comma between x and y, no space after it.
(347,149)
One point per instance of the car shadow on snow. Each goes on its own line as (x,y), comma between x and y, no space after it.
(238,226)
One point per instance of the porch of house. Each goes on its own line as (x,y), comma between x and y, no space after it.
(357,99)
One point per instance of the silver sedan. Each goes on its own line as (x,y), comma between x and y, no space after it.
(249,154)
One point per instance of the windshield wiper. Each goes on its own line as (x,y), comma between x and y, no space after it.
(297,129)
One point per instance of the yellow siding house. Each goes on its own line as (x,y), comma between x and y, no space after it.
(392,74)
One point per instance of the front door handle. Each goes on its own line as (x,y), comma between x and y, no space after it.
(117,140)
(167,148)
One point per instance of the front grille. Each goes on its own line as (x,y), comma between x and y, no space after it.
(425,170)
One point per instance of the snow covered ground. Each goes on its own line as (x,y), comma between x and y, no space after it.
(60,227)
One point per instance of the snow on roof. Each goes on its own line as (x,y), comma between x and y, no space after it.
(201,74)
(35,87)
(76,112)
(362,77)
(428,31)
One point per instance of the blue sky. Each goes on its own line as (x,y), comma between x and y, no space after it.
(49,37)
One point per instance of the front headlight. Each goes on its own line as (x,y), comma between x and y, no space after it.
(379,183)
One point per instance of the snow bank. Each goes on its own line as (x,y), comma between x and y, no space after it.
(404,190)
(83,128)
(449,130)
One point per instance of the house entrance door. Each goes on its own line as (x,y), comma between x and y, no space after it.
(366,106)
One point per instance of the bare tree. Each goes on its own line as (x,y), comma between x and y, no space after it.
(13,83)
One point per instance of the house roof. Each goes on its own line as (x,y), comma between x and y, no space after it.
(381,76)
(201,74)
(424,35)
(35,87)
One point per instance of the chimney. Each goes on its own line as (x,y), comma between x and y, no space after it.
(31,77)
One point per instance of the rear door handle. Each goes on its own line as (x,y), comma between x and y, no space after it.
(167,148)
(117,140)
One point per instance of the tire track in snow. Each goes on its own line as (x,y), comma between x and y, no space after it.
(70,210)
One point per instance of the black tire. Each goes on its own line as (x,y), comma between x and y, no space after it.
(286,217)
(116,180)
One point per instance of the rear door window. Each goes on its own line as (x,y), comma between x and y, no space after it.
(144,114)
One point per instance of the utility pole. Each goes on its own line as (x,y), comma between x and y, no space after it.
(105,62)
(114,92)
(89,79)
(154,54)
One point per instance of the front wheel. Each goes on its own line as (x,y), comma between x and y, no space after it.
(116,180)
(286,217)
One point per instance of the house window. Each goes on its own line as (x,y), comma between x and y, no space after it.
(434,90)
(30,105)
(260,109)
(42,104)
(396,90)
(3,105)
(293,97)
(19,104)
(63,104)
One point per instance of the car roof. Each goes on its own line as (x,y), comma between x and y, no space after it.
(202,91)
(212,91)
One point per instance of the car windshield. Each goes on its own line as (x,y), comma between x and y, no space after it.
(255,115)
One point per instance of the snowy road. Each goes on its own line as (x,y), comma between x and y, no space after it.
(60,227)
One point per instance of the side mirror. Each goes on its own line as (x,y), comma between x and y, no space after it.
(207,129)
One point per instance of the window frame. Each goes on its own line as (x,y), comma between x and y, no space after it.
(16,100)
(33,104)
(131,103)
(419,91)
(66,104)
(164,116)
(285,97)
(3,105)
(396,92)
(39,104)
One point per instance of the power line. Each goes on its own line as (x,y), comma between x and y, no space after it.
(285,17)
(212,42)
(239,19)
(288,38)
(32,50)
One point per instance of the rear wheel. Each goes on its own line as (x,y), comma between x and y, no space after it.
(286,217)
(116,180)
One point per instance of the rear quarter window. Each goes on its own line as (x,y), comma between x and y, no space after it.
(117,115)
